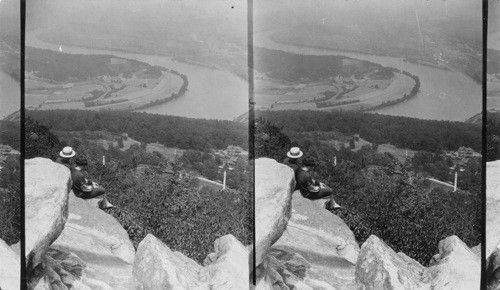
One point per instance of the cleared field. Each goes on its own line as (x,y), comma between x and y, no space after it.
(86,88)
(168,152)
(401,85)
(399,153)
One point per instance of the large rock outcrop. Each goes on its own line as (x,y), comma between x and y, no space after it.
(316,251)
(46,207)
(379,267)
(227,267)
(100,242)
(455,267)
(158,267)
(10,267)
(323,239)
(274,184)
(493,223)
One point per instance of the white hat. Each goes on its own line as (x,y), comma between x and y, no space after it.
(294,153)
(67,152)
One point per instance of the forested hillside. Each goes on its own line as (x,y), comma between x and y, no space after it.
(404,132)
(58,66)
(493,136)
(10,134)
(293,67)
(170,131)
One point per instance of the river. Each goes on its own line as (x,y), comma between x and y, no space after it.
(217,94)
(10,95)
(212,93)
(444,95)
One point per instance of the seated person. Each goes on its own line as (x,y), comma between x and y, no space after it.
(293,159)
(65,157)
(310,188)
(84,188)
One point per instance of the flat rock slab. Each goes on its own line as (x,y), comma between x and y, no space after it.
(101,242)
(323,239)
(46,206)
(274,184)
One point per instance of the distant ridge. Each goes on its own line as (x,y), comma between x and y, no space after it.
(14,117)
(476,119)
(242,118)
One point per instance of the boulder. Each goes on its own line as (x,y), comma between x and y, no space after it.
(46,206)
(492,206)
(10,267)
(228,267)
(100,242)
(323,239)
(274,184)
(379,267)
(455,267)
(158,267)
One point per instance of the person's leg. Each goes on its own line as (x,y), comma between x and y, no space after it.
(104,203)
(98,191)
(322,193)
(325,192)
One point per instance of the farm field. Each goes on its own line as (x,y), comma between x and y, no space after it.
(118,93)
(361,94)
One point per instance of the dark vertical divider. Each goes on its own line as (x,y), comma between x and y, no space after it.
(484,153)
(23,236)
(251,116)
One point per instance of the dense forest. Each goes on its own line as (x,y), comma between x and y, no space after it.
(58,66)
(384,197)
(152,196)
(10,191)
(171,131)
(404,132)
(294,67)
(493,136)
(10,134)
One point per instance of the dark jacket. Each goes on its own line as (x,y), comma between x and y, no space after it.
(294,163)
(305,183)
(80,183)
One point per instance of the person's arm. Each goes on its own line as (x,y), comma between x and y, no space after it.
(81,183)
(312,185)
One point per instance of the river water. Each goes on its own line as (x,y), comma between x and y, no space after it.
(216,94)
(10,95)
(212,93)
(444,95)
